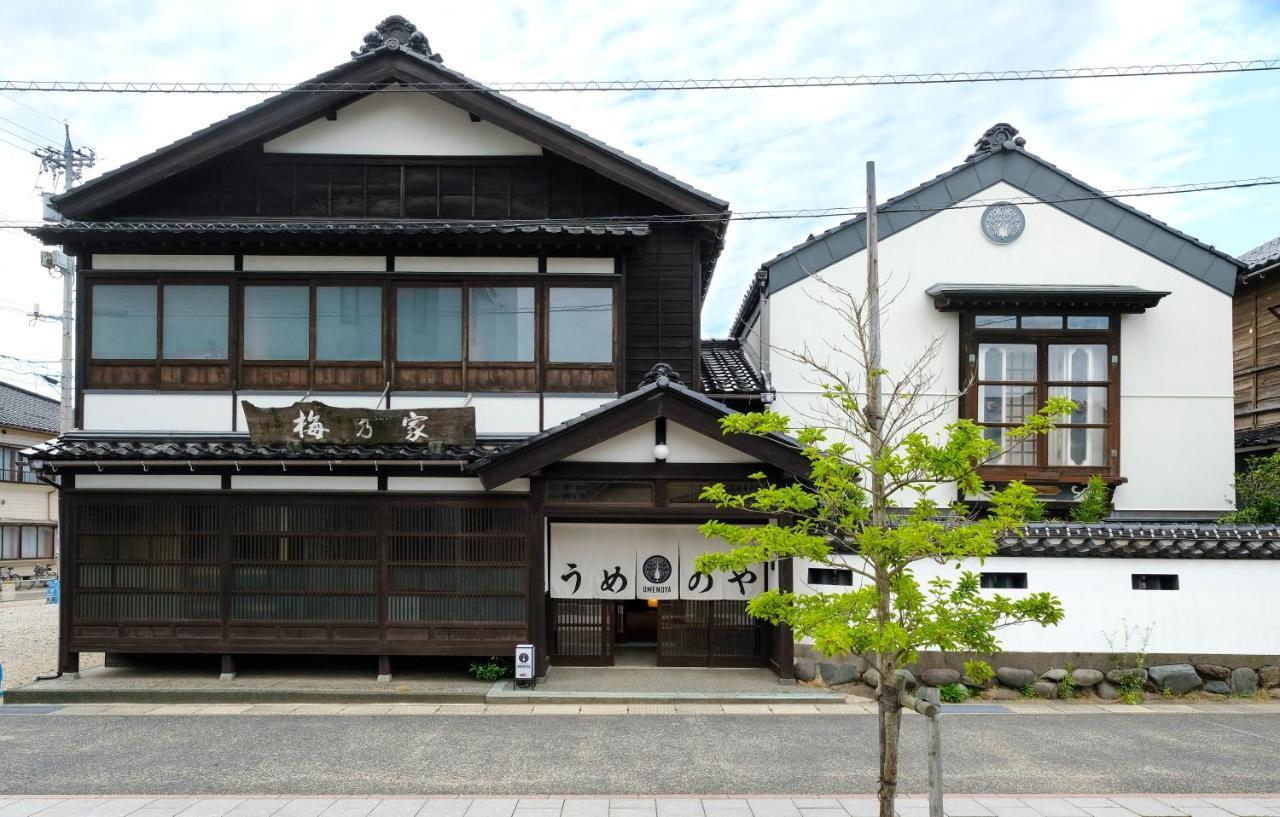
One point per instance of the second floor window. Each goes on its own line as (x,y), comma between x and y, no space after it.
(1018,362)
(13,468)
(184,321)
(501,324)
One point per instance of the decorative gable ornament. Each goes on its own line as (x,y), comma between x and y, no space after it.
(396,33)
(1003,222)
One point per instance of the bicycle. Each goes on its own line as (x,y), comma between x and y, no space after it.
(42,575)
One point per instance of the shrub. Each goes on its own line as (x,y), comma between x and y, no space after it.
(1258,492)
(1095,502)
(953,693)
(495,669)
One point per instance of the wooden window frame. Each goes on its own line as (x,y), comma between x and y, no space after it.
(1042,472)
(158,372)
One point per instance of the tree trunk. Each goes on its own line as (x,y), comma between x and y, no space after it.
(890,721)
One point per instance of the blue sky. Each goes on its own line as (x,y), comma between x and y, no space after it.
(763,149)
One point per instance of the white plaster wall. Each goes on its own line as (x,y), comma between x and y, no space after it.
(158,411)
(1220,606)
(685,445)
(402,124)
(148,482)
(596,266)
(559,408)
(462,264)
(303,483)
(496,414)
(121,261)
(1175,391)
(453,485)
(315,263)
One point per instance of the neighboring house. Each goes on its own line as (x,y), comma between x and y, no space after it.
(28,507)
(502,318)
(1257,353)
(1038,285)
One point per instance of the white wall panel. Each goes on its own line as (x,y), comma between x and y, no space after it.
(157,411)
(597,266)
(687,445)
(635,445)
(148,482)
(315,263)
(556,409)
(121,261)
(402,125)
(1216,609)
(302,483)
(461,264)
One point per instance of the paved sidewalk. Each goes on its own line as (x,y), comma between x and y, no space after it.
(1139,805)
(851,707)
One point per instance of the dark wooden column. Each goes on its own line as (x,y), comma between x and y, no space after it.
(784,642)
(537,560)
(68,661)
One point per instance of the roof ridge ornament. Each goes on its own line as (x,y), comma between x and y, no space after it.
(663,375)
(395,34)
(1000,135)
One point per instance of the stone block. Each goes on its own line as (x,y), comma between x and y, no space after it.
(971,682)
(1217,687)
(940,676)
(1001,694)
(871,678)
(1046,689)
(1056,674)
(1086,677)
(835,672)
(906,679)
(1244,680)
(1269,676)
(1179,679)
(1213,672)
(1014,678)
(1106,691)
(806,669)
(1119,676)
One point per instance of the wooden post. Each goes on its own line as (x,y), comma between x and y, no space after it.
(384,669)
(930,705)
(228,668)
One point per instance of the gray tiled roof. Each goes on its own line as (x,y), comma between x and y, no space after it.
(1148,540)
(79,447)
(726,369)
(54,231)
(27,410)
(1258,438)
(1262,254)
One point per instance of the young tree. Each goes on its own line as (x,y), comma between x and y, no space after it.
(868,504)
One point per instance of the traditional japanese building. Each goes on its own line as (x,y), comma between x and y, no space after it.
(392,364)
(28,507)
(1256,344)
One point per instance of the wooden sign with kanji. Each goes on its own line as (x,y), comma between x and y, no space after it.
(314,423)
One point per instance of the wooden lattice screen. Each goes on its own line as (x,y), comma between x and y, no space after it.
(254,573)
(709,633)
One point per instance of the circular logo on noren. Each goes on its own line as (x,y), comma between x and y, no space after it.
(657,569)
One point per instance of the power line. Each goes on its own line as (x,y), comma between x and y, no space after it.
(689,84)
(330,226)
(28,130)
(32,108)
(25,150)
(17,135)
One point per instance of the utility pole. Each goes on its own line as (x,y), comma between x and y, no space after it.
(71,163)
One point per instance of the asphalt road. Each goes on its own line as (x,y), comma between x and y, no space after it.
(654,754)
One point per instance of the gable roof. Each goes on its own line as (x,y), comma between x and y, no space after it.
(384,60)
(661,395)
(1000,156)
(27,410)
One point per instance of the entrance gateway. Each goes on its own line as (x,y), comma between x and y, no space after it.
(630,594)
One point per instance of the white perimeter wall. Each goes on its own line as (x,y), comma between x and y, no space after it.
(1176,447)
(1221,606)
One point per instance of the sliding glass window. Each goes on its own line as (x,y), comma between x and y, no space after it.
(580,325)
(195,322)
(349,323)
(277,322)
(501,326)
(429,324)
(124,322)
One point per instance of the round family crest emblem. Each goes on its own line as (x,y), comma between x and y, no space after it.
(1003,222)
(657,569)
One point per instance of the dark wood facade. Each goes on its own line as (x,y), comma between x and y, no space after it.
(1256,348)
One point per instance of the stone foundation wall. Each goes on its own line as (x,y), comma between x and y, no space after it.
(1053,675)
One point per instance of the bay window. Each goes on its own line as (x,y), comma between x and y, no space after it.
(1016,363)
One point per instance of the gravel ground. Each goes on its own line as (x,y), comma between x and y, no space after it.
(29,642)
